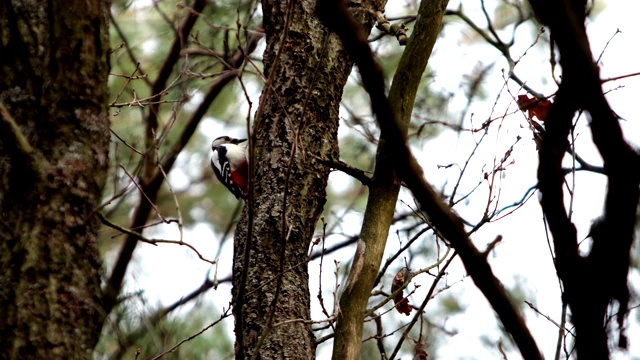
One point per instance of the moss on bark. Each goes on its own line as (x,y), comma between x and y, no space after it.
(53,86)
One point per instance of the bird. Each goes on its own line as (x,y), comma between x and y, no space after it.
(231,165)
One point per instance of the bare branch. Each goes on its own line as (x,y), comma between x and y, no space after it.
(165,72)
(347,169)
(337,17)
(224,315)
(153,241)
(563,329)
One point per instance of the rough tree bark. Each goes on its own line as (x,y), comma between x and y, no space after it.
(54,136)
(296,122)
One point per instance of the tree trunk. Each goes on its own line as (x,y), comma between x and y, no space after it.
(385,185)
(613,234)
(54,137)
(297,120)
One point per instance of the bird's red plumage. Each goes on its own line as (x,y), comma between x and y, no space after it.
(240,177)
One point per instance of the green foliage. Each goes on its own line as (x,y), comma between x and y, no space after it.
(155,339)
(145,36)
(141,39)
(450,305)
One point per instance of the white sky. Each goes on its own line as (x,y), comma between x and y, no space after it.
(168,272)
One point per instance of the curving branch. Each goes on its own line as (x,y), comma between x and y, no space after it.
(613,234)
(336,16)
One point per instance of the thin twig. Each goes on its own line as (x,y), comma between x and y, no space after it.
(548,318)
(320,298)
(224,315)
(129,78)
(154,242)
(175,198)
(134,182)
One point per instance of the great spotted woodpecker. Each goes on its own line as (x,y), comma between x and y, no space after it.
(229,163)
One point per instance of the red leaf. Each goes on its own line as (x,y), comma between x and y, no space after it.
(402,304)
(534,107)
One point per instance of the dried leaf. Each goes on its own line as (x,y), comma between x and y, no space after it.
(419,352)
(534,107)
(402,304)
(538,108)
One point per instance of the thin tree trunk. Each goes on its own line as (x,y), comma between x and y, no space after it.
(54,137)
(296,122)
(406,166)
(383,192)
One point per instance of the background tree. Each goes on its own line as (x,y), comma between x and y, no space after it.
(53,159)
(612,234)
(294,131)
(185,73)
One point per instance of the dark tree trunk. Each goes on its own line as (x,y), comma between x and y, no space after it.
(592,282)
(54,137)
(297,122)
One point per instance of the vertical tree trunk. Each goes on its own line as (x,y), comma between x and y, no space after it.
(297,120)
(613,234)
(54,137)
(385,185)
